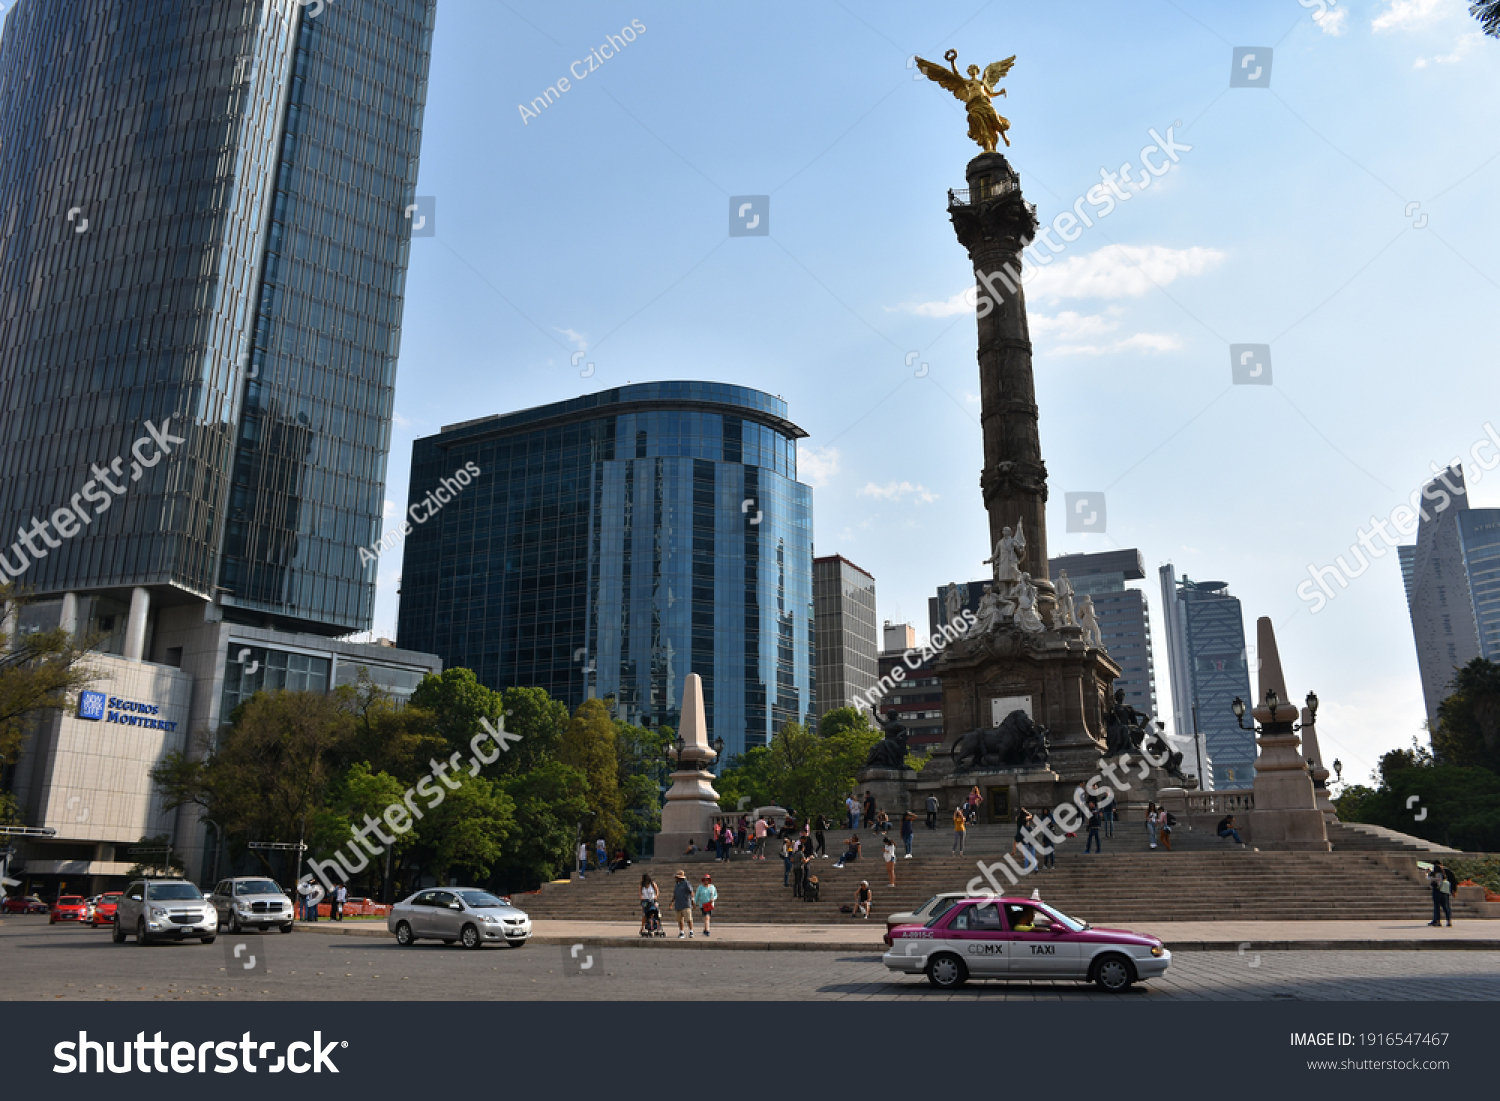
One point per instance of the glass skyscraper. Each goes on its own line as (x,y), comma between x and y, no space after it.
(848,636)
(1205,629)
(1452,578)
(611,544)
(203,249)
(203,221)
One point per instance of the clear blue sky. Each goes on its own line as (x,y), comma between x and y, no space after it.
(602,226)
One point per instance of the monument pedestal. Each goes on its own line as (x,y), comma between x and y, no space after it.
(1286,814)
(892,788)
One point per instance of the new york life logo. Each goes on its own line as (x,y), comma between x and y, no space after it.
(91,705)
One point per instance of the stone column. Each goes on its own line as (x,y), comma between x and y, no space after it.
(135,627)
(691,801)
(994,224)
(1286,814)
(68,621)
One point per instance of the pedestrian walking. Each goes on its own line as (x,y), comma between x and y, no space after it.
(1226,829)
(851,804)
(971,804)
(960,824)
(908,830)
(583,860)
(1049,846)
(1442,895)
(759,852)
(340,896)
(601,855)
(862,899)
(888,854)
(1108,814)
(818,837)
(309,892)
(787,852)
(1165,820)
(869,810)
(649,894)
(1151,823)
(706,897)
(801,871)
(682,904)
(1024,819)
(1093,823)
(932,809)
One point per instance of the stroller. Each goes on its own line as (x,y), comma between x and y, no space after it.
(653,923)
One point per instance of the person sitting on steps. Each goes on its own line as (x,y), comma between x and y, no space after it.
(851,853)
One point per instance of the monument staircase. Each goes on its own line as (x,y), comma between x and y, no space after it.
(1202,879)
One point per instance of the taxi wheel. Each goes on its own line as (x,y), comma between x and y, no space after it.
(403,935)
(471,937)
(947,972)
(1114,973)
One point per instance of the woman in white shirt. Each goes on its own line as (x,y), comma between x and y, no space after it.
(648,900)
(1152,817)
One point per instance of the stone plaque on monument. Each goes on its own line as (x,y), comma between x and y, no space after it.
(1001,706)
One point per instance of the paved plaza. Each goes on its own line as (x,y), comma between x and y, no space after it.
(58,963)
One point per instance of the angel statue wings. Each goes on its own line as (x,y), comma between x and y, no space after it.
(986,125)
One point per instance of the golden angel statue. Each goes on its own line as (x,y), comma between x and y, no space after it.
(986,125)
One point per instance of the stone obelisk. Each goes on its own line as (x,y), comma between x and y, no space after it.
(1286,814)
(994,223)
(691,800)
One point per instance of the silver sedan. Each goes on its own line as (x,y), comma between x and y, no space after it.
(453,914)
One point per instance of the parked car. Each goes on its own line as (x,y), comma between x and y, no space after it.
(937,904)
(252,902)
(30,904)
(103,912)
(161,909)
(453,914)
(68,908)
(1021,938)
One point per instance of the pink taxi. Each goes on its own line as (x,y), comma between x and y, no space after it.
(1022,938)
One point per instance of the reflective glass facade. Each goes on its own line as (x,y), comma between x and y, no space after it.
(614,543)
(201,226)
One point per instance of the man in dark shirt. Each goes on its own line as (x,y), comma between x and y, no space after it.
(869,810)
(1226,829)
(1094,821)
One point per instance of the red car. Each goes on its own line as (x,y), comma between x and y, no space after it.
(68,908)
(30,904)
(104,909)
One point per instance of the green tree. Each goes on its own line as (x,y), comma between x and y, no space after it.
(41,671)
(467,831)
(1449,804)
(1488,14)
(641,753)
(539,720)
(1468,730)
(588,744)
(387,736)
(745,780)
(550,801)
(456,701)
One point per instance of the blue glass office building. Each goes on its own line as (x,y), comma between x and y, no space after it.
(614,543)
(202,226)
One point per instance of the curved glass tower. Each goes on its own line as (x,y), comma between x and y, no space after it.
(614,543)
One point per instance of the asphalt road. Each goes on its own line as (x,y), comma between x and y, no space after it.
(54,963)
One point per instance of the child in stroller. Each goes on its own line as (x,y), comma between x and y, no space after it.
(650,911)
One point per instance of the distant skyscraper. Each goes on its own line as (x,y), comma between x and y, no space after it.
(1452,579)
(917,700)
(1124,618)
(611,544)
(1205,630)
(847,646)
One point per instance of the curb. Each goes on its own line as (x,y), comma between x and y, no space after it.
(877,948)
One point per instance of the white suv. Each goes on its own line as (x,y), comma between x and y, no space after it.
(164,909)
(252,902)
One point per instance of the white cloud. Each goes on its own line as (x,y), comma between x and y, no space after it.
(895,491)
(962,302)
(1121,271)
(389,509)
(1461,46)
(817,465)
(577,338)
(1146,342)
(1407,13)
(400,421)
(1071,325)
(1331,22)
